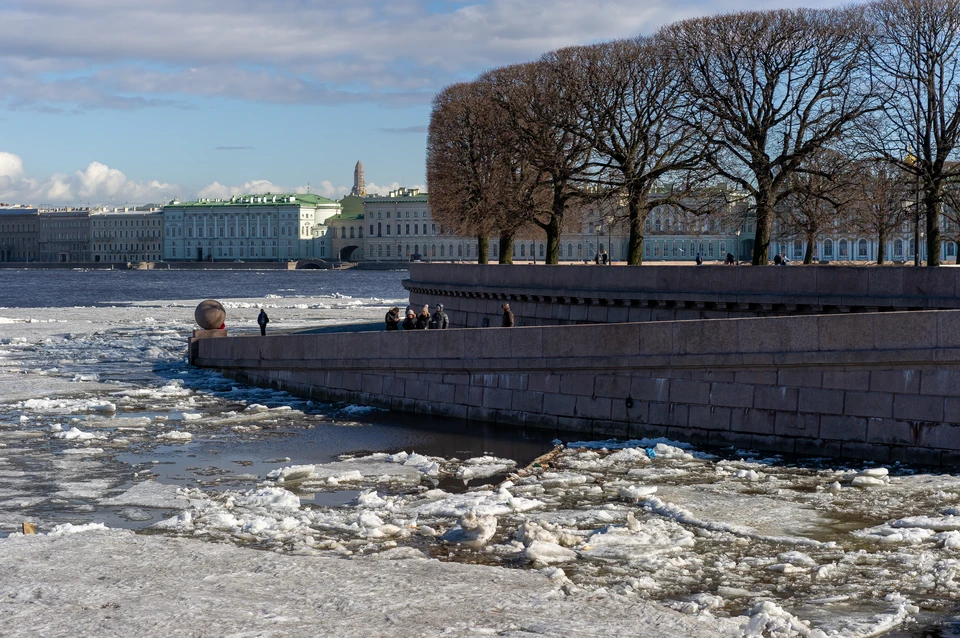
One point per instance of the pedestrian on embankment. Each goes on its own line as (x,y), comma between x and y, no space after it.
(423,319)
(410,323)
(439,320)
(262,321)
(507,316)
(392,319)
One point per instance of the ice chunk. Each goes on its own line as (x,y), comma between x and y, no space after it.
(269,498)
(541,554)
(175,435)
(472,530)
(69,528)
(634,493)
(867,481)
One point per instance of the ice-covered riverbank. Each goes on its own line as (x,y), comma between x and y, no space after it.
(102,423)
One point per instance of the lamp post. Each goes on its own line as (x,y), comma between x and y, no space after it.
(736,248)
(610,241)
(596,252)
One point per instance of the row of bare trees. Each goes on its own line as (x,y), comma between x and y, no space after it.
(794,108)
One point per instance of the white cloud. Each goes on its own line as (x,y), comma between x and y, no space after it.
(384,51)
(96,184)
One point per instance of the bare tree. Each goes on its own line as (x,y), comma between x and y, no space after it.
(883,201)
(916,58)
(773,88)
(637,119)
(534,100)
(463,162)
(814,197)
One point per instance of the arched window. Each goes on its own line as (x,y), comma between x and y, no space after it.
(898,249)
(433,250)
(828,248)
(723,249)
(951,249)
(658,224)
(579,250)
(408,250)
(351,232)
(400,250)
(656,249)
(459,250)
(441,250)
(451,250)
(569,250)
(541,250)
(416,249)
(843,249)
(797,249)
(862,249)
(380,250)
(523,250)
(388,247)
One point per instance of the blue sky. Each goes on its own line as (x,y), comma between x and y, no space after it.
(114,101)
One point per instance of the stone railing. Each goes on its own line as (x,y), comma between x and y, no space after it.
(881,386)
(551,295)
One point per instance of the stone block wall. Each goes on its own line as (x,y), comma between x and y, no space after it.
(570,294)
(880,386)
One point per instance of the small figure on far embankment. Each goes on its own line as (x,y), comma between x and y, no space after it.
(423,319)
(262,321)
(439,321)
(392,319)
(507,316)
(410,323)
(699,259)
(778,260)
(730,259)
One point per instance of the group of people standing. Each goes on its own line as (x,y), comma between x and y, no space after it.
(423,321)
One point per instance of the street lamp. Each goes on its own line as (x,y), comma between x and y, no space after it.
(596,252)
(736,248)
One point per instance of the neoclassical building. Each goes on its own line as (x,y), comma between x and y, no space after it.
(399,227)
(256,227)
(19,234)
(120,237)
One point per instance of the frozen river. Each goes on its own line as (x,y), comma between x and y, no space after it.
(102,424)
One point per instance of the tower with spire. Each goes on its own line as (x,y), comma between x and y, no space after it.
(359,183)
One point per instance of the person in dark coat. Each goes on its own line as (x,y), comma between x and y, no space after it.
(439,320)
(778,260)
(507,316)
(699,260)
(423,319)
(263,320)
(392,319)
(410,323)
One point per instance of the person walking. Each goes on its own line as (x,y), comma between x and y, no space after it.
(410,323)
(778,260)
(699,260)
(262,321)
(423,319)
(507,316)
(439,321)
(392,319)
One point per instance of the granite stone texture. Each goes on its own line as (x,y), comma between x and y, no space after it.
(862,385)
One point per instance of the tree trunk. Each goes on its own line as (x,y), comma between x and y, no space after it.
(506,246)
(638,211)
(483,248)
(554,228)
(808,254)
(761,242)
(881,247)
(933,199)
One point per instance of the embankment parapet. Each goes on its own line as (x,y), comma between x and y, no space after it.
(552,295)
(882,386)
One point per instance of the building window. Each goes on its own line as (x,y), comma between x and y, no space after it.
(827,248)
(843,249)
(351,232)
(862,249)
(523,250)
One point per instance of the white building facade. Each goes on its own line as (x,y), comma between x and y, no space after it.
(127,236)
(262,227)
(399,227)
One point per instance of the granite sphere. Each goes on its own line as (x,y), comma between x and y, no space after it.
(210,314)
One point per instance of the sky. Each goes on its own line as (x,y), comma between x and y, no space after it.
(134,101)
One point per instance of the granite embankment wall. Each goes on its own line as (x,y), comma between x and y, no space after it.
(880,386)
(552,295)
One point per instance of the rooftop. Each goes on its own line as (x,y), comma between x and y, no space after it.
(254,199)
(401,194)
